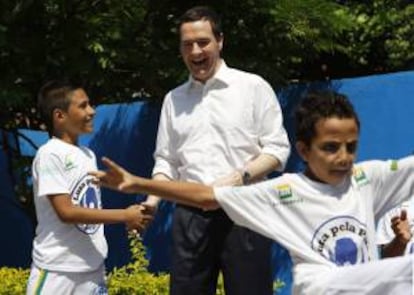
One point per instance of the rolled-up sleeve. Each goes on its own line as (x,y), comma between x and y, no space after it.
(272,135)
(166,161)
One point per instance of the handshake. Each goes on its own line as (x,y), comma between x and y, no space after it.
(138,217)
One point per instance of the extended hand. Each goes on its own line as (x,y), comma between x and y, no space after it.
(115,177)
(149,208)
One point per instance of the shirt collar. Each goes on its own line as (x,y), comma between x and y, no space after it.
(223,74)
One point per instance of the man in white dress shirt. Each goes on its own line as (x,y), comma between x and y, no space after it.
(221,127)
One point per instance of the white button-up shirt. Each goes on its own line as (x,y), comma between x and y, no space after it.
(206,131)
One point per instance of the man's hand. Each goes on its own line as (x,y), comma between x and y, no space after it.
(115,177)
(233,179)
(401,227)
(149,208)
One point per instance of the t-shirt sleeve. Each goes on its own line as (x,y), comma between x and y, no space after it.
(392,182)
(249,206)
(51,177)
(165,151)
(272,209)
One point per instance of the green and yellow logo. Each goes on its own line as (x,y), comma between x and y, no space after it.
(285,196)
(359,176)
(284,191)
(394,165)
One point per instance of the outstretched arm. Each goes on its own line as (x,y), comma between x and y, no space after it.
(192,194)
(135,216)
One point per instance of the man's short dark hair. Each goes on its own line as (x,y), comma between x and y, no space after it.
(203,13)
(321,105)
(55,94)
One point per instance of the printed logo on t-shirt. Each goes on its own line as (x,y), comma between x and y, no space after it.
(87,195)
(342,240)
(359,176)
(69,162)
(285,196)
(284,191)
(394,165)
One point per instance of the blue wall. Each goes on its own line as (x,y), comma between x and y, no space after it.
(126,133)
(15,225)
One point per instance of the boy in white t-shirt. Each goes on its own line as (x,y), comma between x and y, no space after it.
(69,248)
(325,217)
(395,231)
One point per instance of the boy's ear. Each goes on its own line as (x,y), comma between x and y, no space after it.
(303,150)
(58,114)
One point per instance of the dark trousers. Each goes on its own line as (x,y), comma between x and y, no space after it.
(205,242)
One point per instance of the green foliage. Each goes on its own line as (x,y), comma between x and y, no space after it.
(13,280)
(128,49)
(277,39)
(278,284)
(384,39)
(134,278)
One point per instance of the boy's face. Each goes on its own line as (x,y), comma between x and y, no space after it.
(332,151)
(200,49)
(78,118)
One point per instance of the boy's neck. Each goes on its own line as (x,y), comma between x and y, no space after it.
(68,138)
(309,173)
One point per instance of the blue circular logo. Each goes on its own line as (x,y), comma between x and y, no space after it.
(342,240)
(87,195)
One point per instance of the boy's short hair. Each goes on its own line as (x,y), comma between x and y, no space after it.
(55,94)
(203,13)
(321,105)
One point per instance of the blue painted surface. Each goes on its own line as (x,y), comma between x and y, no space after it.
(16,227)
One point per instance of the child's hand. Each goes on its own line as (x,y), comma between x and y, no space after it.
(149,208)
(137,218)
(401,227)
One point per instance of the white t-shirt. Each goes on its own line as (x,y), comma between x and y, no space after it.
(385,234)
(322,226)
(61,168)
(206,131)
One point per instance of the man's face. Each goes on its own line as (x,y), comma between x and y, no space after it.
(200,49)
(79,116)
(332,151)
